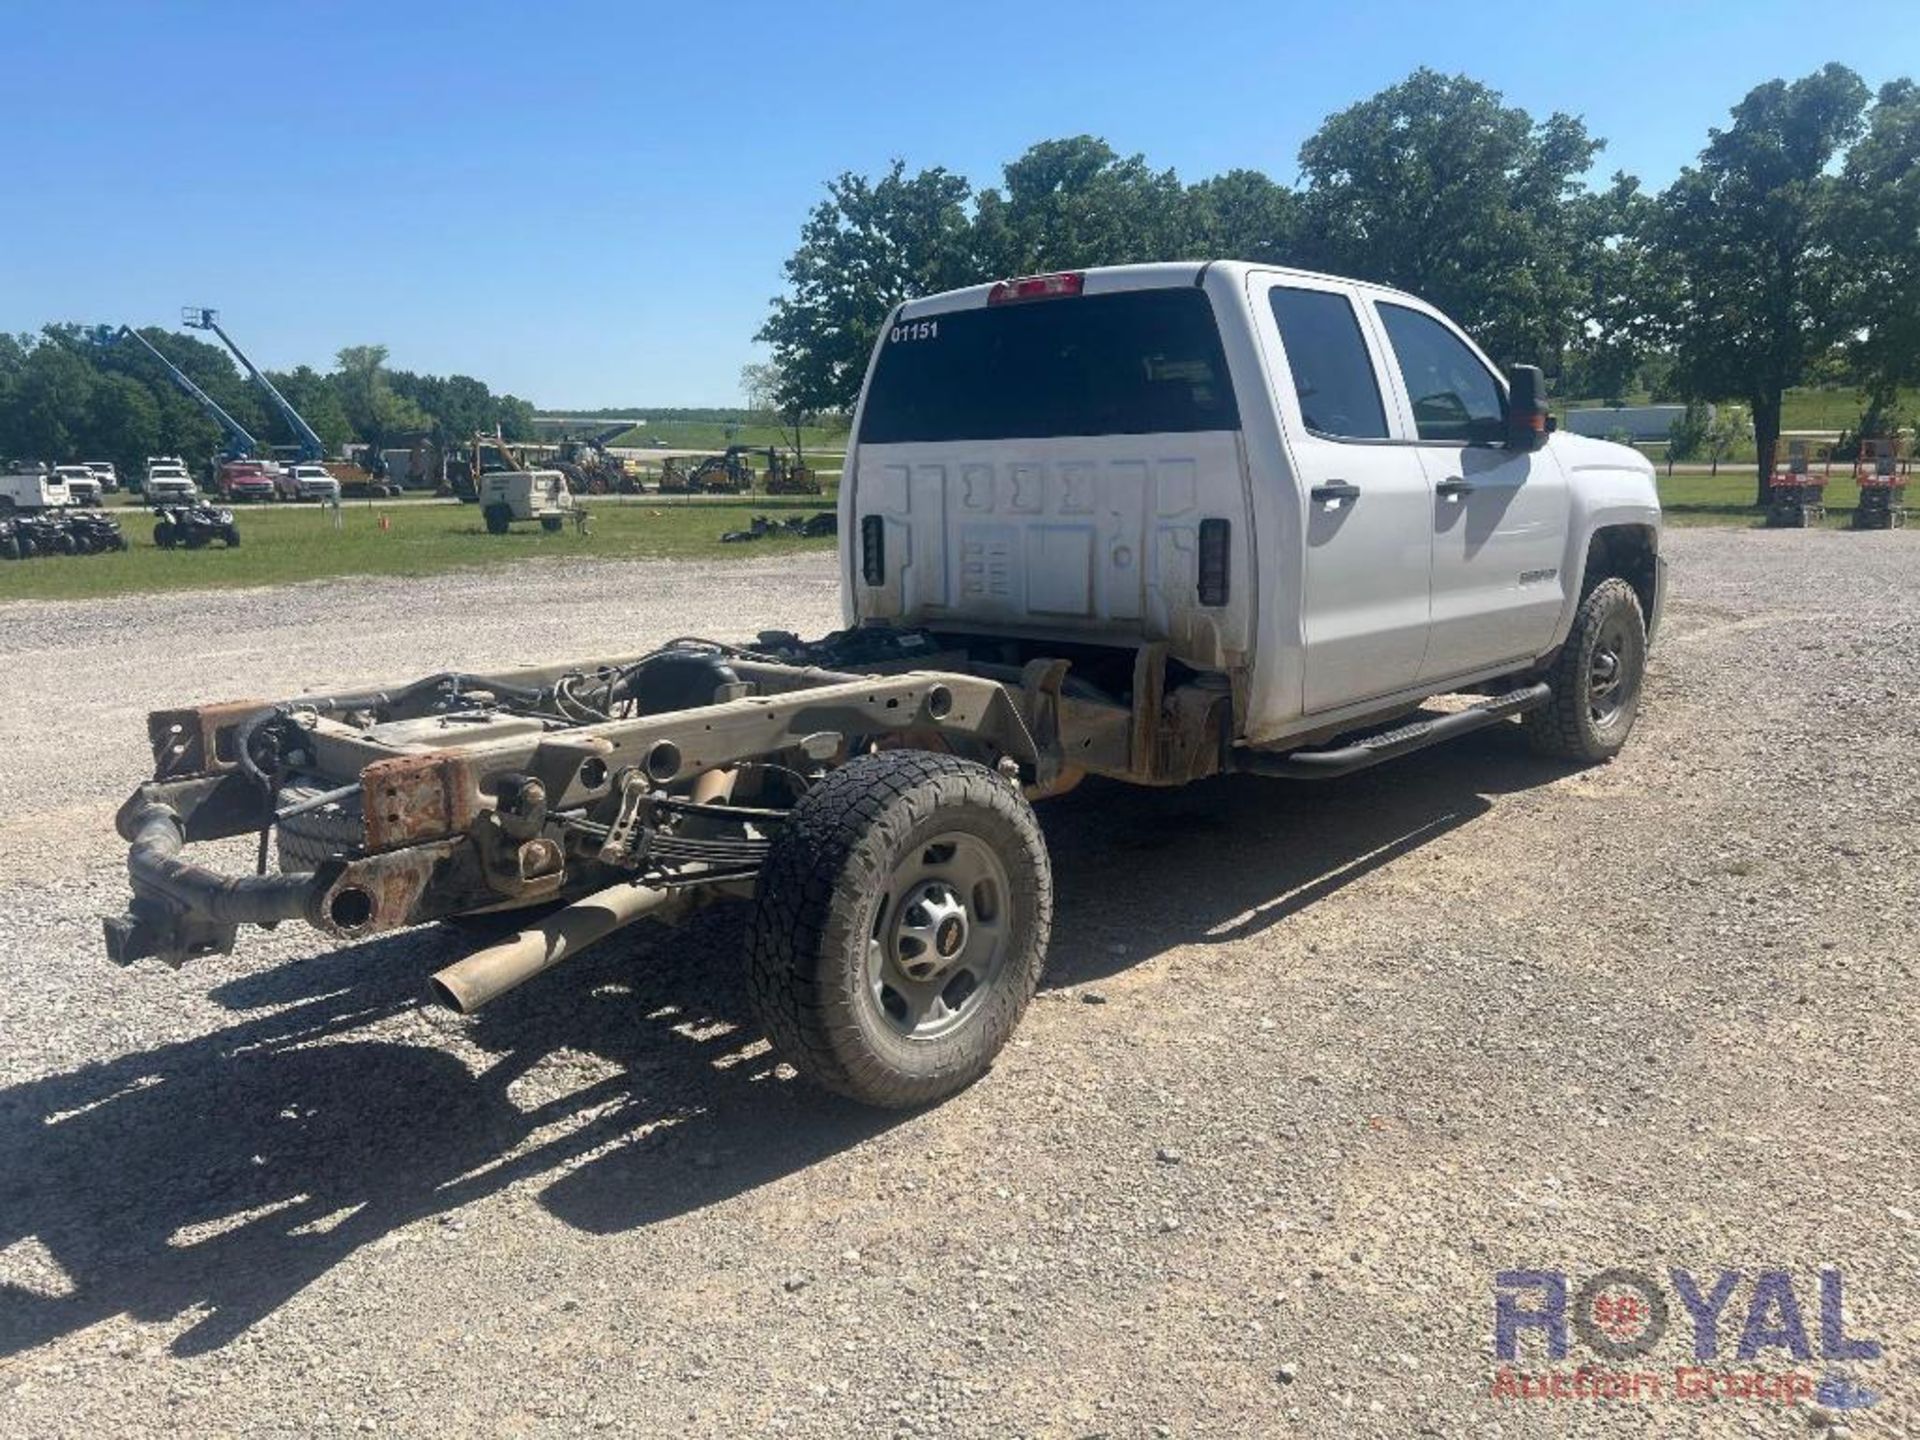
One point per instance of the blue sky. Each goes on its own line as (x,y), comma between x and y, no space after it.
(588,204)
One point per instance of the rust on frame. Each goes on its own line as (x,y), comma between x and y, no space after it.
(380,892)
(418,797)
(197,740)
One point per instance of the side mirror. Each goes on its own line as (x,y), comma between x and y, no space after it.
(1526,408)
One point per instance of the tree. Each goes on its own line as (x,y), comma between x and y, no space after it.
(47,404)
(866,247)
(514,417)
(1877,212)
(1748,233)
(1243,215)
(1623,285)
(312,395)
(1687,435)
(760,384)
(1070,204)
(123,423)
(372,406)
(1437,187)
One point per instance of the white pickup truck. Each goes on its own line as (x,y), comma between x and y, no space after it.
(1153,523)
(28,486)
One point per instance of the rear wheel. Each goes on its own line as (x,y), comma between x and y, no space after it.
(551,523)
(1596,679)
(499,519)
(164,535)
(900,924)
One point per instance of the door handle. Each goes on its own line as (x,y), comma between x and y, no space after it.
(1453,487)
(1334,491)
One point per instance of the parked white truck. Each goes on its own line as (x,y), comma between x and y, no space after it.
(1154,523)
(28,486)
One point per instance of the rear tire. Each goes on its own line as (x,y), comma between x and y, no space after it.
(1596,679)
(900,925)
(163,536)
(499,519)
(551,523)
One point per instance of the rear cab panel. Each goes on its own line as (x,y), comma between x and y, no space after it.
(1045,467)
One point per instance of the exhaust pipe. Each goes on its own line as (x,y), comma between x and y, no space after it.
(487,974)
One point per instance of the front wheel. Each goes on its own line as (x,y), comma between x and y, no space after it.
(164,536)
(231,534)
(551,523)
(1596,679)
(900,924)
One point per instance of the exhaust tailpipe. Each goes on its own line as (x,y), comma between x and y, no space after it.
(487,974)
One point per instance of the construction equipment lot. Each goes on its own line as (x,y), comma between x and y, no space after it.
(1309,1067)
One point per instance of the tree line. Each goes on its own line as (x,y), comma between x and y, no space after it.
(1788,253)
(67,395)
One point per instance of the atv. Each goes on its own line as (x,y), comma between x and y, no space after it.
(45,533)
(194,527)
(96,532)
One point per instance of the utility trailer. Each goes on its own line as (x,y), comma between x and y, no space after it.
(1153,523)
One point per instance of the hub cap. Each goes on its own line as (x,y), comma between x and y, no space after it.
(939,936)
(1610,684)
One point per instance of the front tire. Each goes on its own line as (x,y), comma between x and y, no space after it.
(1596,679)
(900,925)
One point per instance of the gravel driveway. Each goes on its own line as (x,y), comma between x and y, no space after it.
(1310,1067)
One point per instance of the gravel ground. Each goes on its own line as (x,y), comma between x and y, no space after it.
(1310,1066)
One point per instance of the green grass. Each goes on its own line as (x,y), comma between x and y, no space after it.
(711,435)
(285,544)
(1727,498)
(1807,408)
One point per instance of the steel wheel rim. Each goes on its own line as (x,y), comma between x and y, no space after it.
(939,938)
(1610,681)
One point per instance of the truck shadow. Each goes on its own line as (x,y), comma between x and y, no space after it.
(207,1182)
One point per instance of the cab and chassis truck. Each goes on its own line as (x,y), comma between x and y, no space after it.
(1152,523)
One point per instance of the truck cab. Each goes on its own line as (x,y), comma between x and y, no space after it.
(167,480)
(83,486)
(1316,490)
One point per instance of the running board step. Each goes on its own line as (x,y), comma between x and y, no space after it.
(1390,744)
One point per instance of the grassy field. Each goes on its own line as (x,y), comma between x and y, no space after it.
(700,435)
(1808,408)
(285,544)
(1727,498)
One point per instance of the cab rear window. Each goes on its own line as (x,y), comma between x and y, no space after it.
(1140,362)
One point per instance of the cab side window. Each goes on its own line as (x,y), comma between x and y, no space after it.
(1455,398)
(1332,372)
